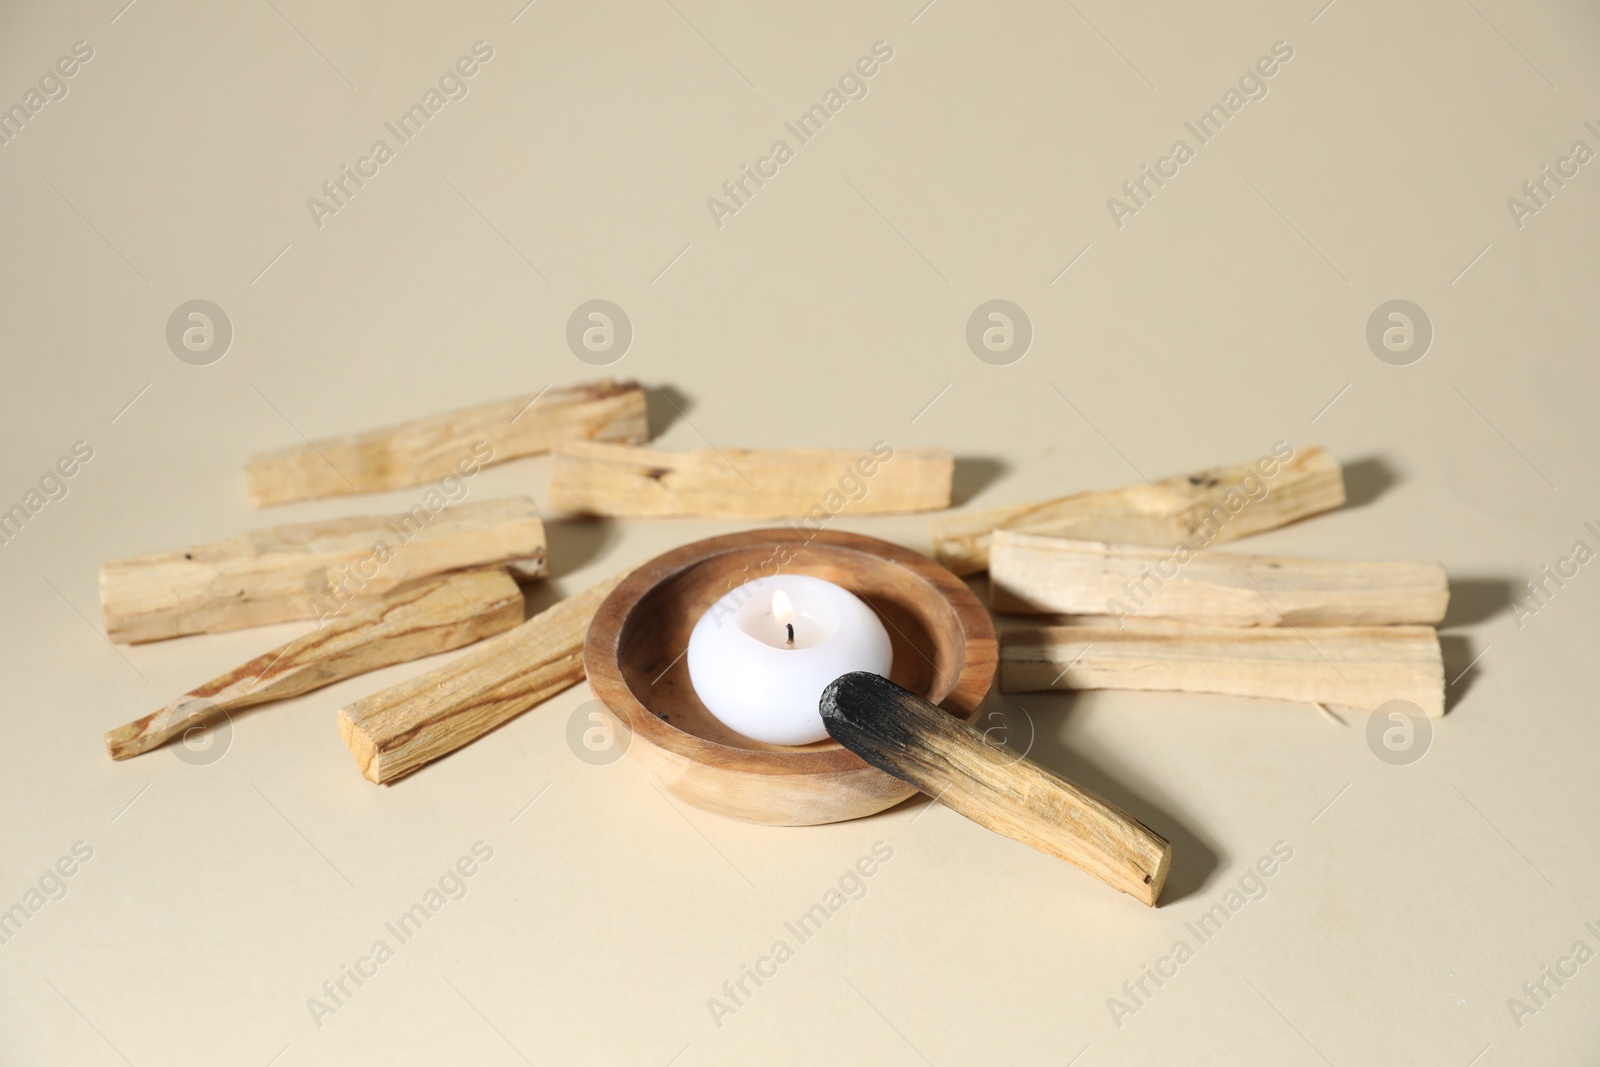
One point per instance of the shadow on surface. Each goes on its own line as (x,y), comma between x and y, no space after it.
(1458,652)
(664,405)
(573,542)
(1476,599)
(1365,480)
(973,475)
(1193,859)
(570,544)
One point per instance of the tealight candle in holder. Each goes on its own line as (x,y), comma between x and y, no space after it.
(761,656)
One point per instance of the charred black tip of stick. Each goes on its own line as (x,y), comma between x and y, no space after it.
(790,627)
(850,698)
(861,705)
(878,721)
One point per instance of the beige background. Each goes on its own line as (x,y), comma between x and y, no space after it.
(1225,315)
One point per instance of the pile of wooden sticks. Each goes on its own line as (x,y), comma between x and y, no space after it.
(1142,602)
(387,589)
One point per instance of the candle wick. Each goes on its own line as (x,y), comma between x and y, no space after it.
(790,627)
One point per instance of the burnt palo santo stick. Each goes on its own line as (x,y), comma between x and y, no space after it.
(432,616)
(994,786)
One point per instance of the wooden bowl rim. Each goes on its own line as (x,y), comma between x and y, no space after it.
(979,661)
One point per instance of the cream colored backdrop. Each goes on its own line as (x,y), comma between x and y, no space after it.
(1206,318)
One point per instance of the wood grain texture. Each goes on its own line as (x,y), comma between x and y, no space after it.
(425,449)
(943,649)
(601,479)
(1029,574)
(433,615)
(1194,508)
(1352,666)
(393,732)
(993,785)
(312,570)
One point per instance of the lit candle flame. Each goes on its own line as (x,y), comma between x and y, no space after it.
(782,608)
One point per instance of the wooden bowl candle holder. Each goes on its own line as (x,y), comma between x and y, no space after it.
(944,650)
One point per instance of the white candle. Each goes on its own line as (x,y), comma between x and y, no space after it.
(761,656)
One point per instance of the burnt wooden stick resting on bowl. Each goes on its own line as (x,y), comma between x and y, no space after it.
(994,786)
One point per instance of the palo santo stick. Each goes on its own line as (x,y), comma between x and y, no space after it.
(394,732)
(312,569)
(1043,575)
(1199,508)
(898,732)
(435,615)
(600,479)
(1353,666)
(424,449)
